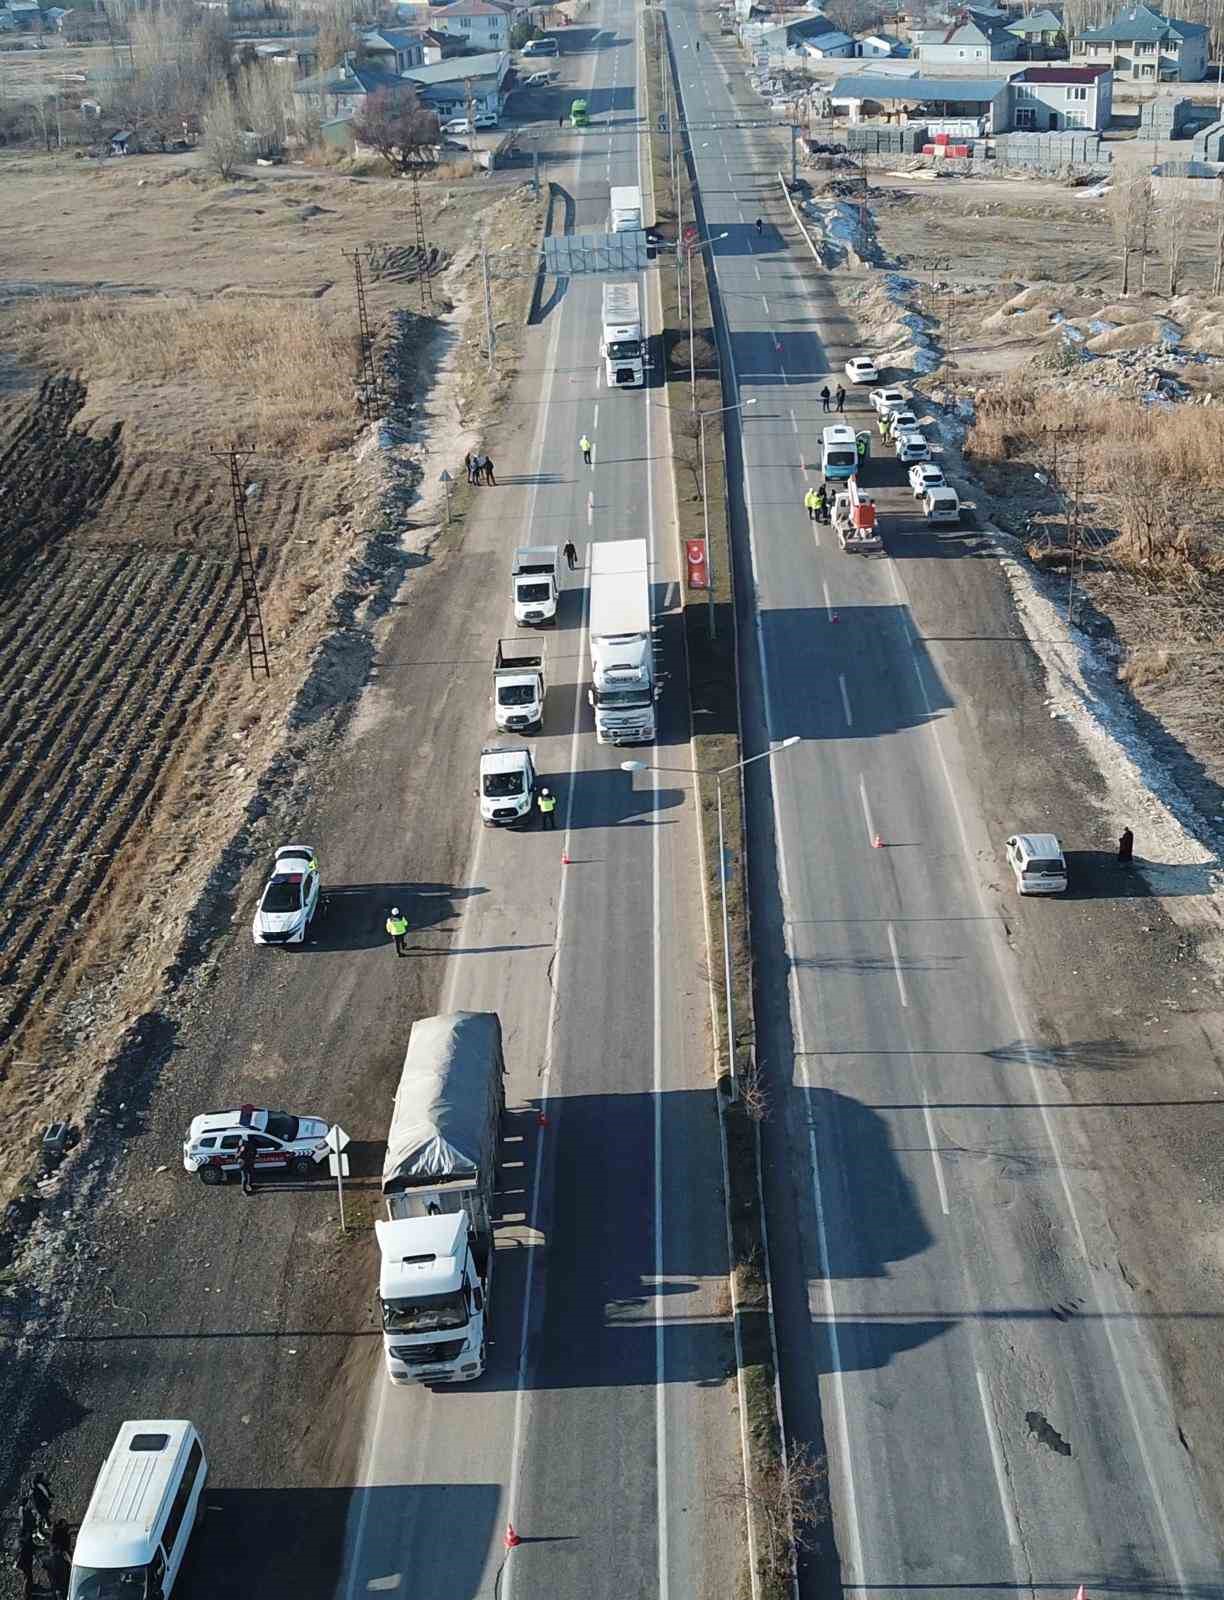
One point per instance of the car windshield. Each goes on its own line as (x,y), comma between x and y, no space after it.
(428,1314)
(108,1583)
(515,694)
(532,592)
(1044,865)
(624,349)
(284,893)
(282,1126)
(498,785)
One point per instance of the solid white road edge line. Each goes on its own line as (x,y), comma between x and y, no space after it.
(936,1162)
(996,1457)
(871,833)
(845,694)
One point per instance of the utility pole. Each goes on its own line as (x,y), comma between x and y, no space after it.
(424,281)
(252,615)
(490,331)
(373,401)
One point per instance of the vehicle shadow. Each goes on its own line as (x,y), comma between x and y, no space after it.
(353,916)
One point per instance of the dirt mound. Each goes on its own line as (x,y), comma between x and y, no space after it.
(1045,293)
(1126,312)
(1033,324)
(1132,337)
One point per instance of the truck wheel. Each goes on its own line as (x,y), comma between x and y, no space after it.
(212,1175)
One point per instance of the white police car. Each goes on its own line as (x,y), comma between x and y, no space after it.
(923,477)
(282,1141)
(290,898)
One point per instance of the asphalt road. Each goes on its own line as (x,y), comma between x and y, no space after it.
(954,1327)
(607,1412)
(602,1416)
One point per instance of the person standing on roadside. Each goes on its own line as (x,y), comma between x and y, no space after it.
(25,1563)
(488,472)
(397,927)
(825,397)
(584,444)
(841,398)
(1126,847)
(571,554)
(809,501)
(58,1570)
(547,802)
(246,1161)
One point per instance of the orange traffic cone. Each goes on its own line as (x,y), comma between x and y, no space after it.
(543,1119)
(877,843)
(565,860)
(511,1538)
(1079,1593)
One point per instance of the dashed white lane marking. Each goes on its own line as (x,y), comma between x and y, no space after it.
(841,680)
(896,955)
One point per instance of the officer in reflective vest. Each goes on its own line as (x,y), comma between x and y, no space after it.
(809,501)
(547,803)
(860,445)
(397,927)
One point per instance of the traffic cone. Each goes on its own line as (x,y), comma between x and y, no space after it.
(1079,1593)
(511,1538)
(565,860)
(877,843)
(543,1119)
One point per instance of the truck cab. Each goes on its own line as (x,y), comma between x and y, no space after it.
(431,1294)
(507,786)
(536,582)
(580,116)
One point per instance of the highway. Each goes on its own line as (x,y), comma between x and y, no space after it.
(954,1327)
(606,1413)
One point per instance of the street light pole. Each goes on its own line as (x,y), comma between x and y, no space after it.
(718,774)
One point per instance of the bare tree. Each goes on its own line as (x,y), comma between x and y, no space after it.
(787,1501)
(1130,204)
(337,34)
(1177,214)
(223,144)
(397,125)
(262,104)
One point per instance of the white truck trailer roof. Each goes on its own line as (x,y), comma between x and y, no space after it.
(448,1105)
(621,307)
(620,588)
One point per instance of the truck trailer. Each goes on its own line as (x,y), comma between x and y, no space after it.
(623,691)
(625,212)
(436,1243)
(623,344)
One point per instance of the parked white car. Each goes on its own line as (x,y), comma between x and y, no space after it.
(290,898)
(214,1141)
(910,446)
(862,369)
(458,125)
(1037,862)
(924,477)
(888,399)
(538,79)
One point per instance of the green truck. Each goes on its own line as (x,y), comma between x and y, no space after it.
(579,116)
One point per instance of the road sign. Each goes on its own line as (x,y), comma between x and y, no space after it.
(444,476)
(337,1140)
(338,1166)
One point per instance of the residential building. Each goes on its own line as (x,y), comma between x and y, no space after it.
(345,88)
(396,49)
(444,86)
(882,44)
(964,44)
(1144,46)
(1040,30)
(438,46)
(827,45)
(917,97)
(485,26)
(779,37)
(1053,99)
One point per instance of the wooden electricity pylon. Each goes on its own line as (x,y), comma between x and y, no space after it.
(252,615)
(424,280)
(373,401)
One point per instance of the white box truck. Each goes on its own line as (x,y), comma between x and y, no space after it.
(623,346)
(436,1245)
(535,577)
(622,648)
(518,686)
(626,209)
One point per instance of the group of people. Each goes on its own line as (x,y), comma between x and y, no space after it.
(818,504)
(826,396)
(479,468)
(36,1528)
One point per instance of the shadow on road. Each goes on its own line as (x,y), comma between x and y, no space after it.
(354,915)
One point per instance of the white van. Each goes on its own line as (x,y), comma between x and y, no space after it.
(140,1515)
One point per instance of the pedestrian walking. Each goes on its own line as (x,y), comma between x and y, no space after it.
(246,1161)
(570,552)
(1126,847)
(584,444)
(560,122)
(488,472)
(25,1565)
(397,927)
(860,444)
(547,802)
(825,397)
(809,501)
(841,398)
(759,227)
(40,1499)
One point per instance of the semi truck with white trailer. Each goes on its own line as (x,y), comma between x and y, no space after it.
(623,691)
(436,1244)
(625,209)
(535,578)
(623,344)
(518,686)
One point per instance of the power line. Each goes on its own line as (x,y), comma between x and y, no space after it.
(252,614)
